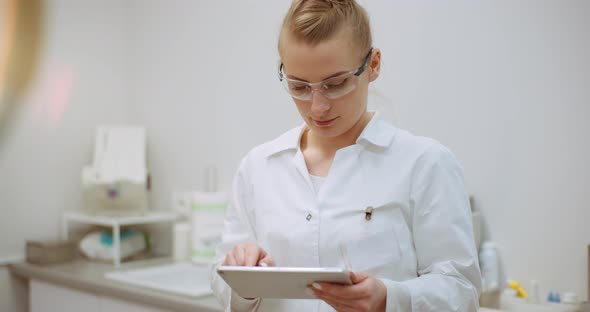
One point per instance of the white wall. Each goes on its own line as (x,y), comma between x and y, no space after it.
(210,69)
(504,84)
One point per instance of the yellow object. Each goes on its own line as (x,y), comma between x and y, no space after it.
(520,292)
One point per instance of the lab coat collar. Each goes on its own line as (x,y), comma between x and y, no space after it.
(377,134)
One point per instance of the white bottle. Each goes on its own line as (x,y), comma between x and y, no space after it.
(181,241)
(534,296)
(489,262)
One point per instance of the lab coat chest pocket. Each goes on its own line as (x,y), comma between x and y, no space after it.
(380,247)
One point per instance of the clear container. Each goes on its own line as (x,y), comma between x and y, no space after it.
(181,241)
(570,298)
(490,266)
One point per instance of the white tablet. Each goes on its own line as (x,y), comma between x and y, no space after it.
(279,282)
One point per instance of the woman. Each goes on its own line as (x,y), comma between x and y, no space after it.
(347,188)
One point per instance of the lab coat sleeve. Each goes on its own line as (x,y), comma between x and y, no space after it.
(449,275)
(238,228)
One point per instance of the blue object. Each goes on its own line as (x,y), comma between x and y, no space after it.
(551,297)
(557,298)
(106,237)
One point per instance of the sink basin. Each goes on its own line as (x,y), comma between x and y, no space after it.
(179,278)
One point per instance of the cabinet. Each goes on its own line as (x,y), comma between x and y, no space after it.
(116,305)
(51,297)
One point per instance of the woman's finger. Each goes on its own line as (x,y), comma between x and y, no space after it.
(239,255)
(266,261)
(229,259)
(339,305)
(251,255)
(329,297)
(357,291)
(358,277)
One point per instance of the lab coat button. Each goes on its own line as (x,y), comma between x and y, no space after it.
(308,217)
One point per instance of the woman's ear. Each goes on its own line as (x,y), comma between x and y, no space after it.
(374,65)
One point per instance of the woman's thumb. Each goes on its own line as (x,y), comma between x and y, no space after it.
(358,277)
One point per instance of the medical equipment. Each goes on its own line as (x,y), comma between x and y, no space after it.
(117,181)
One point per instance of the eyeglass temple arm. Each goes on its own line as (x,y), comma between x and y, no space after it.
(364,66)
(281,71)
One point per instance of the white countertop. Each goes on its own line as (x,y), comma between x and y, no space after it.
(90,276)
(520,305)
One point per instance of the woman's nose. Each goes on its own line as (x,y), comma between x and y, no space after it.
(319,103)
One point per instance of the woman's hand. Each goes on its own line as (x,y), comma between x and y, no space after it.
(366,294)
(248,254)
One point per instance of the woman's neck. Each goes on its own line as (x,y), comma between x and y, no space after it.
(329,145)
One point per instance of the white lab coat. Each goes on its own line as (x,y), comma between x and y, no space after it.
(419,240)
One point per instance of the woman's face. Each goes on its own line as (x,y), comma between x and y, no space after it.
(329,118)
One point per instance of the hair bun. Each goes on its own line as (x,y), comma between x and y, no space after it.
(339,2)
(313,21)
(332,3)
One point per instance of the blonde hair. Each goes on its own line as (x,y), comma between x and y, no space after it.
(314,21)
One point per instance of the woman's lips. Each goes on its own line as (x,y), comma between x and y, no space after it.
(324,123)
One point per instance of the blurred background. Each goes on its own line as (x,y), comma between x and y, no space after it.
(504,84)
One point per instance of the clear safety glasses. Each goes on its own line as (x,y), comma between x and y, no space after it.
(331,88)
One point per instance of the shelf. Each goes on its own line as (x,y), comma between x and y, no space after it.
(115,222)
(150,217)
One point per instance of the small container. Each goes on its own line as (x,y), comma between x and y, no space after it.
(509,292)
(208,213)
(534,296)
(490,266)
(551,297)
(45,252)
(570,298)
(181,241)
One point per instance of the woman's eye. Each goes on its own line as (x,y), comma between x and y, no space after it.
(337,84)
(296,87)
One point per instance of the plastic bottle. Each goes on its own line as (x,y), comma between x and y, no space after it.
(490,266)
(551,297)
(208,212)
(181,241)
(534,297)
